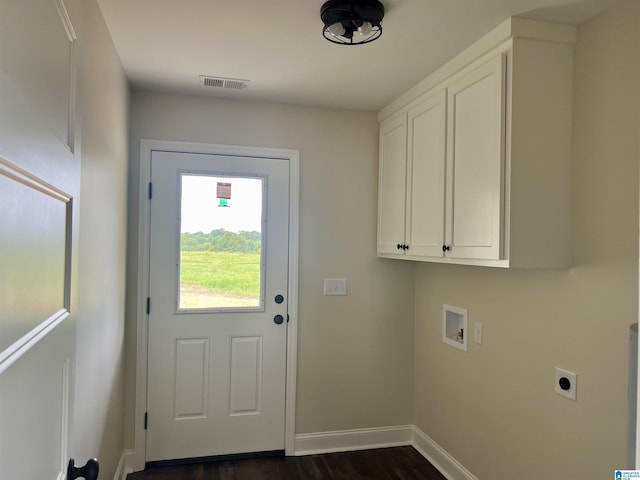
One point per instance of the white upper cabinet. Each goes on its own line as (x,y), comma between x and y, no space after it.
(426,163)
(412,180)
(391,191)
(475,163)
(474,160)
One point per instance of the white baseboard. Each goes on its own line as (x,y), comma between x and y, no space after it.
(124,465)
(367,438)
(349,440)
(439,457)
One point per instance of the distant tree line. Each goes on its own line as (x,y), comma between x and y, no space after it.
(221,240)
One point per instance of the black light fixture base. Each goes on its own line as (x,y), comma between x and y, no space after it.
(352,22)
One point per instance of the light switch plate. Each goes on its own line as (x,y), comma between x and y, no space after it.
(335,286)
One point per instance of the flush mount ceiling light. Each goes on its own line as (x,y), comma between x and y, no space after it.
(352,22)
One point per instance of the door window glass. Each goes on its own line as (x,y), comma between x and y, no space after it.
(221,242)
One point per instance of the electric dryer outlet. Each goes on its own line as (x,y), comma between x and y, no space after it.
(566,383)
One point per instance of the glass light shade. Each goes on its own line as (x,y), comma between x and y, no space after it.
(337,29)
(365,29)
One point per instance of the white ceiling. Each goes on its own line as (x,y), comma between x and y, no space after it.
(277,44)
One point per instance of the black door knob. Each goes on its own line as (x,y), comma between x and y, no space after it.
(278,319)
(278,299)
(89,471)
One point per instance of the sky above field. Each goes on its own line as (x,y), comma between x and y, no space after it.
(201,209)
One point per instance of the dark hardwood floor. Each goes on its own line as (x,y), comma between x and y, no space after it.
(397,463)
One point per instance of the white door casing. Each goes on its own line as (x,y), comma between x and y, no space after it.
(192,346)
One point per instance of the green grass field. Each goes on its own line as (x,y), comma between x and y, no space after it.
(231,278)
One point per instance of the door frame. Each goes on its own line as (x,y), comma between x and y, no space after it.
(147,147)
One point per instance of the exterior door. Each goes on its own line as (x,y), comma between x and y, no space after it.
(218,274)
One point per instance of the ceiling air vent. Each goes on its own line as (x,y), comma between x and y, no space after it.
(219,82)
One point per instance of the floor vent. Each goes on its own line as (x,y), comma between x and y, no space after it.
(219,82)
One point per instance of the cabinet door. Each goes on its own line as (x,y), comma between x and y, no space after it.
(475,168)
(426,164)
(392,185)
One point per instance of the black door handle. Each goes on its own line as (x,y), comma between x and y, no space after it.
(89,471)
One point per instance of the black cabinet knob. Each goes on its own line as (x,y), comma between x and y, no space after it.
(446,248)
(399,247)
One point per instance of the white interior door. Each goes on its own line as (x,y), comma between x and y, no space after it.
(39,189)
(219,234)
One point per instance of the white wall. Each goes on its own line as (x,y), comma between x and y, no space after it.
(99,399)
(494,408)
(355,352)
